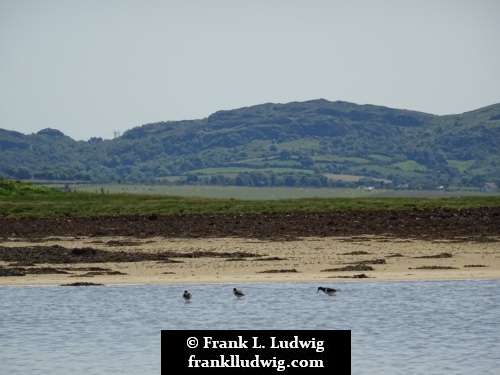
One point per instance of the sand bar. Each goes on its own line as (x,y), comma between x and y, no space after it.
(325,260)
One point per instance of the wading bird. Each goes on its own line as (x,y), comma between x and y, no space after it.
(329,291)
(238,293)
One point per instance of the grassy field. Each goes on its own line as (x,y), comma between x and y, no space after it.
(27,200)
(226,192)
(265,193)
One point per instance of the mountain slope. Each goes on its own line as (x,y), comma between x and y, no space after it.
(309,143)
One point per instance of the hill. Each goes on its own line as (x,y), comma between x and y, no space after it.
(313,143)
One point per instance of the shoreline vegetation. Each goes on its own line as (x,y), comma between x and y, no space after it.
(26,200)
(49,237)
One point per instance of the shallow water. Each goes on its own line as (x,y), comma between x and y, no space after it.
(425,327)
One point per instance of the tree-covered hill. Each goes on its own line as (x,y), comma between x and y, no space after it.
(313,143)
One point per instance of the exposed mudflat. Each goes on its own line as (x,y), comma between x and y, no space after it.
(427,224)
(322,247)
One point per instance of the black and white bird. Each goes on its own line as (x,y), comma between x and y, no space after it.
(329,291)
(238,293)
(187,296)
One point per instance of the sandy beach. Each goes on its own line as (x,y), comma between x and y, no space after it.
(325,260)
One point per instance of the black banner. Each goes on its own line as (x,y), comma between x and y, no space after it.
(252,352)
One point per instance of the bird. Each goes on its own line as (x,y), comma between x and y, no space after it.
(329,291)
(238,293)
(187,296)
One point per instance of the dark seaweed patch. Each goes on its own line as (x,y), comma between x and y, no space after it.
(357,267)
(293,270)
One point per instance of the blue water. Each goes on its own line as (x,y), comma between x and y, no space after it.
(425,327)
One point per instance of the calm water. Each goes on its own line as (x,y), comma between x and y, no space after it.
(431,327)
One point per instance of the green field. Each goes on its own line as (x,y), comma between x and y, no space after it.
(235,170)
(266,193)
(27,200)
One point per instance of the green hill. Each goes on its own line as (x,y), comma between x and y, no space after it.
(313,143)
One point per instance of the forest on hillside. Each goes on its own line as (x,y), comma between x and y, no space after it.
(315,144)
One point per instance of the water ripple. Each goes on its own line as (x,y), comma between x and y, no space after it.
(428,327)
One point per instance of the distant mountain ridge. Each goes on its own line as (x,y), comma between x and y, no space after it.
(313,143)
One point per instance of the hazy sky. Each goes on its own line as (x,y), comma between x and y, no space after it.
(91,67)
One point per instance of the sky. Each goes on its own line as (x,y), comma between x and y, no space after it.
(90,68)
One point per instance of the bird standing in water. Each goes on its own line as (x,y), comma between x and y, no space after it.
(187,296)
(238,293)
(329,291)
